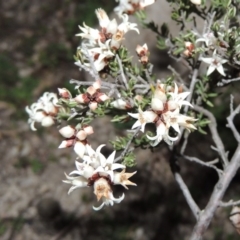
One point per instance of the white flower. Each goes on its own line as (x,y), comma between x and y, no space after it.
(99,54)
(100,45)
(215,63)
(83,170)
(208,38)
(77,182)
(130,6)
(43,111)
(165,114)
(162,133)
(103,190)
(99,172)
(175,119)
(107,166)
(197,2)
(89,33)
(122,178)
(143,118)
(177,99)
(111,34)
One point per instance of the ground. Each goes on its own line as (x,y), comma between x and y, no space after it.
(36,47)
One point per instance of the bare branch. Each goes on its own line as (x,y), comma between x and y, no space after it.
(104,85)
(213,128)
(94,71)
(230,119)
(230,203)
(178,77)
(122,72)
(206,164)
(192,204)
(175,170)
(217,195)
(226,81)
(185,142)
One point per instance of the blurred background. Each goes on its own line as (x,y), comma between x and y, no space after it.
(37,44)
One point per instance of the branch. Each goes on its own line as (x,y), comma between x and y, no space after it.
(175,170)
(94,72)
(174,72)
(229,203)
(122,72)
(104,85)
(206,164)
(213,128)
(126,148)
(191,203)
(217,195)
(226,81)
(230,120)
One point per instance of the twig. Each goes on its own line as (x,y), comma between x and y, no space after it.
(229,203)
(230,119)
(206,164)
(104,85)
(216,138)
(178,77)
(226,81)
(194,207)
(126,148)
(94,71)
(88,83)
(217,195)
(122,72)
(186,193)
(185,142)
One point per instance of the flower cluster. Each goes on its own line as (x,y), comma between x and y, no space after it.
(43,111)
(131,6)
(216,48)
(165,114)
(77,137)
(100,172)
(100,45)
(142,52)
(129,90)
(92,97)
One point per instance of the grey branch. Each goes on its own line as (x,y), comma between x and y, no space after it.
(230,121)
(192,204)
(122,72)
(126,149)
(213,128)
(226,81)
(230,203)
(216,197)
(206,164)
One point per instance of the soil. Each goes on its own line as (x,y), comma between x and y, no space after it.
(36,47)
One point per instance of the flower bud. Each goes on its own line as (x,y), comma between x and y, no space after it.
(121,104)
(88,130)
(64,93)
(47,121)
(79,149)
(81,135)
(196,2)
(66,143)
(67,131)
(189,47)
